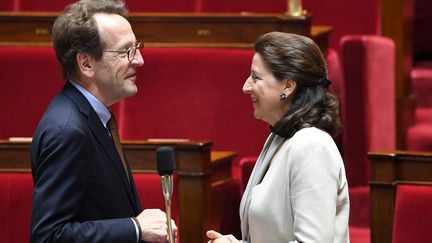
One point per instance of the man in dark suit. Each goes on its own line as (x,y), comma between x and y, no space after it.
(83,186)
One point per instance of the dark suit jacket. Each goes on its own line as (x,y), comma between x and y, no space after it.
(81,192)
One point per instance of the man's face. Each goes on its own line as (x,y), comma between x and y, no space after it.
(114,74)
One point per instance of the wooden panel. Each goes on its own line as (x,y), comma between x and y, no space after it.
(172,29)
(167,29)
(397,23)
(389,168)
(199,172)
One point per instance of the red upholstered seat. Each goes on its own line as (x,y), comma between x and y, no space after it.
(30,77)
(16,200)
(369,115)
(26,94)
(15,207)
(413,214)
(421,82)
(419,136)
(336,75)
(246,164)
(150,192)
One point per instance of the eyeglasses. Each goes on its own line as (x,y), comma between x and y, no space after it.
(130,51)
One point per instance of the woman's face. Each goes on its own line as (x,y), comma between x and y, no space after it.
(264,90)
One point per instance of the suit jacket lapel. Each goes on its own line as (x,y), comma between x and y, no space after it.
(101,134)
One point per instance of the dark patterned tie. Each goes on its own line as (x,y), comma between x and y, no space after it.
(112,126)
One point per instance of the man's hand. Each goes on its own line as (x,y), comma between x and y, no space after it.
(153,225)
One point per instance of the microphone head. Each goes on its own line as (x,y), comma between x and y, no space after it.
(165,160)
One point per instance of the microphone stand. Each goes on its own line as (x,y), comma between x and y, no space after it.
(167,188)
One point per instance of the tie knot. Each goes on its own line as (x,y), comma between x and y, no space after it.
(112,124)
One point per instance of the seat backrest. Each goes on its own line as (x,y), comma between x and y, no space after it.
(413,214)
(16,202)
(149,189)
(194,93)
(370,101)
(30,77)
(15,206)
(337,87)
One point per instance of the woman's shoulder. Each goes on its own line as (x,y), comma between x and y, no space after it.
(311,134)
(310,139)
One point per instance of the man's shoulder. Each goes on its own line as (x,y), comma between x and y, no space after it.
(62,113)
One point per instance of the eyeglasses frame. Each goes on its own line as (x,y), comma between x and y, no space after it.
(136,46)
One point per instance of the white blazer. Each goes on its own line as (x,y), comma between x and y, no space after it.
(297,192)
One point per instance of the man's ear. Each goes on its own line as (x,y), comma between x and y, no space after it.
(85,64)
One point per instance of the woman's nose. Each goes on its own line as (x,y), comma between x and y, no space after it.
(247,86)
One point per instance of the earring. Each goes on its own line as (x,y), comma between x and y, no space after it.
(282,96)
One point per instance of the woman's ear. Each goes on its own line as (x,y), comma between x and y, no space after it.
(290,86)
(85,64)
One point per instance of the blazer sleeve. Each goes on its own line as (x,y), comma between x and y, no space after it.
(314,180)
(60,183)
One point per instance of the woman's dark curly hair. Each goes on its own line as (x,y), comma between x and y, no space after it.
(298,58)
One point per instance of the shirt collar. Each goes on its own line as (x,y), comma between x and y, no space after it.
(101,110)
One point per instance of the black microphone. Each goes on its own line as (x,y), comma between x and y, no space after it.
(166,166)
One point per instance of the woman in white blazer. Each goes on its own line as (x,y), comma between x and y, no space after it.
(298,190)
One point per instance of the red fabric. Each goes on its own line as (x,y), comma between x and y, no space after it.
(359,206)
(246,165)
(230,220)
(8,5)
(335,74)
(423,115)
(45,5)
(346,17)
(359,234)
(195,94)
(258,6)
(419,137)
(16,197)
(369,74)
(421,82)
(15,206)
(413,214)
(149,189)
(30,77)
(161,6)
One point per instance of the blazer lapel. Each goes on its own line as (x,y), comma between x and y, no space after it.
(101,134)
(260,169)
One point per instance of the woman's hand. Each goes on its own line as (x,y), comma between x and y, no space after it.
(216,237)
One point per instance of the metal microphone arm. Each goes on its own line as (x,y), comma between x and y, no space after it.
(167,188)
